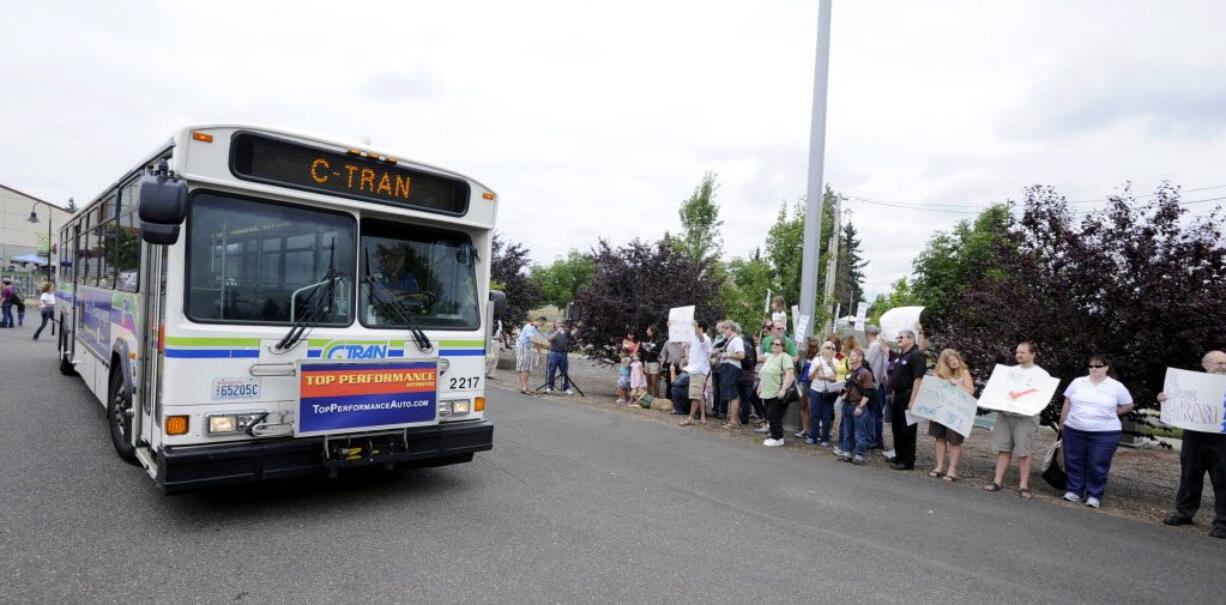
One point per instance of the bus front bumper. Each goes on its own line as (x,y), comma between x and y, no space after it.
(186,468)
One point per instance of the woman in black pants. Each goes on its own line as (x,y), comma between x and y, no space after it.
(775,379)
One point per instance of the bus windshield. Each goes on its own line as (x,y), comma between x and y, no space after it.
(252,261)
(412,272)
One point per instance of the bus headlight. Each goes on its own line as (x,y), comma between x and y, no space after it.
(453,407)
(228,424)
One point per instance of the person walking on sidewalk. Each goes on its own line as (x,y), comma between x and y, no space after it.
(1202,453)
(908,373)
(1013,436)
(6,303)
(46,308)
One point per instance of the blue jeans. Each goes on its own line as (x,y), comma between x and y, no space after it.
(558,362)
(847,428)
(1087,459)
(877,425)
(6,315)
(48,317)
(821,414)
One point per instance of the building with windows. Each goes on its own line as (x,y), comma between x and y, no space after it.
(23,242)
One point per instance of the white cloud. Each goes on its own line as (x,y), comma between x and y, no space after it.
(597,121)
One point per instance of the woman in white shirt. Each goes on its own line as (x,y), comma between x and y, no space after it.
(1090,429)
(46,307)
(824,390)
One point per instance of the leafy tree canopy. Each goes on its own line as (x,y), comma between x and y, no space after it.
(561,281)
(508,267)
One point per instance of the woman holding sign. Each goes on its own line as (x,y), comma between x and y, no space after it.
(950,367)
(1090,428)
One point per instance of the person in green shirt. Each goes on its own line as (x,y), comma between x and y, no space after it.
(777,332)
(775,379)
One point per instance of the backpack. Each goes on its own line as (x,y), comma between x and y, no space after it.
(750,361)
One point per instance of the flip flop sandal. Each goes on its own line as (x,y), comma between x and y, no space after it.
(686,423)
(991,487)
(952,478)
(1024,494)
(936,474)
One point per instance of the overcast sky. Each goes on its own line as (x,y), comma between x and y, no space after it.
(596,122)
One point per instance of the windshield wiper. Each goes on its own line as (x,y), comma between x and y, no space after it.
(318,304)
(379,294)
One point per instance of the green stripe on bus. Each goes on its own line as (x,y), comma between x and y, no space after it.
(451,344)
(193,341)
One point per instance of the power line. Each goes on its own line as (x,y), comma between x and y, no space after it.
(972,209)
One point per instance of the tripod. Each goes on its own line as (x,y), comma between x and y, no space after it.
(563,369)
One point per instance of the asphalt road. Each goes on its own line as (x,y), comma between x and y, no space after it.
(573,505)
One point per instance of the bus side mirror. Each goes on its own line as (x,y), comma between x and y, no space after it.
(500,302)
(162,208)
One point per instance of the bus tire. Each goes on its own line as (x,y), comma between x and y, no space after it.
(119,417)
(66,367)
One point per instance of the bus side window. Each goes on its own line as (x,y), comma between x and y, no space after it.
(83,261)
(127,239)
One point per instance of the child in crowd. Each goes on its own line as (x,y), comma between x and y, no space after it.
(638,380)
(779,314)
(623,380)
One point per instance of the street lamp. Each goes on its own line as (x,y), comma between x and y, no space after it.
(34,219)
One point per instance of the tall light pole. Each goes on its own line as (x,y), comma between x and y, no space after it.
(817,156)
(34,219)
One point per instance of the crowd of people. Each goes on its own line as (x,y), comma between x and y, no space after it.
(13,306)
(749,380)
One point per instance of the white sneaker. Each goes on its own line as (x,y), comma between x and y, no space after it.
(889,455)
(1093,502)
(548,390)
(772,442)
(569,392)
(838,451)
(1071,497)
(800,435)
(762,429)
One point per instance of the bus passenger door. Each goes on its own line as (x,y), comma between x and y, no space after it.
(153,294)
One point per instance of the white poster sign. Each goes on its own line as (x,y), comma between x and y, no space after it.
(1195,401)
(898,319)
(946,403)
(681,324)
(1012,389)
(802,328)
(861,315)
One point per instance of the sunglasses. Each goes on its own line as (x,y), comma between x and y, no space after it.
(1095,366)
(776,344)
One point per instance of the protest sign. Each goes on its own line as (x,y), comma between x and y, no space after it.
(681,324)
(1014,390)
(802,328)
(898,319)
(861,314)
(946,403)
(1195,401)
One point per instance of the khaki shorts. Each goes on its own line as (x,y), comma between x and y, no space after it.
(698,384)
(653,368)
(1014,434)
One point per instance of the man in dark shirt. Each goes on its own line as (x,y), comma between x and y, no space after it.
(559,342)
(1202,453)
(908,372)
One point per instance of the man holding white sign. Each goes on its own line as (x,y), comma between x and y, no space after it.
(1018,394)
(1202,451)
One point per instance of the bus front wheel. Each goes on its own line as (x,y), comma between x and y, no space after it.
(66,367)
(119,417)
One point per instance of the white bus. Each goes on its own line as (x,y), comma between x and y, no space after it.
(251,304)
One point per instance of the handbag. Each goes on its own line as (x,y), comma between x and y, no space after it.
(1052,473)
